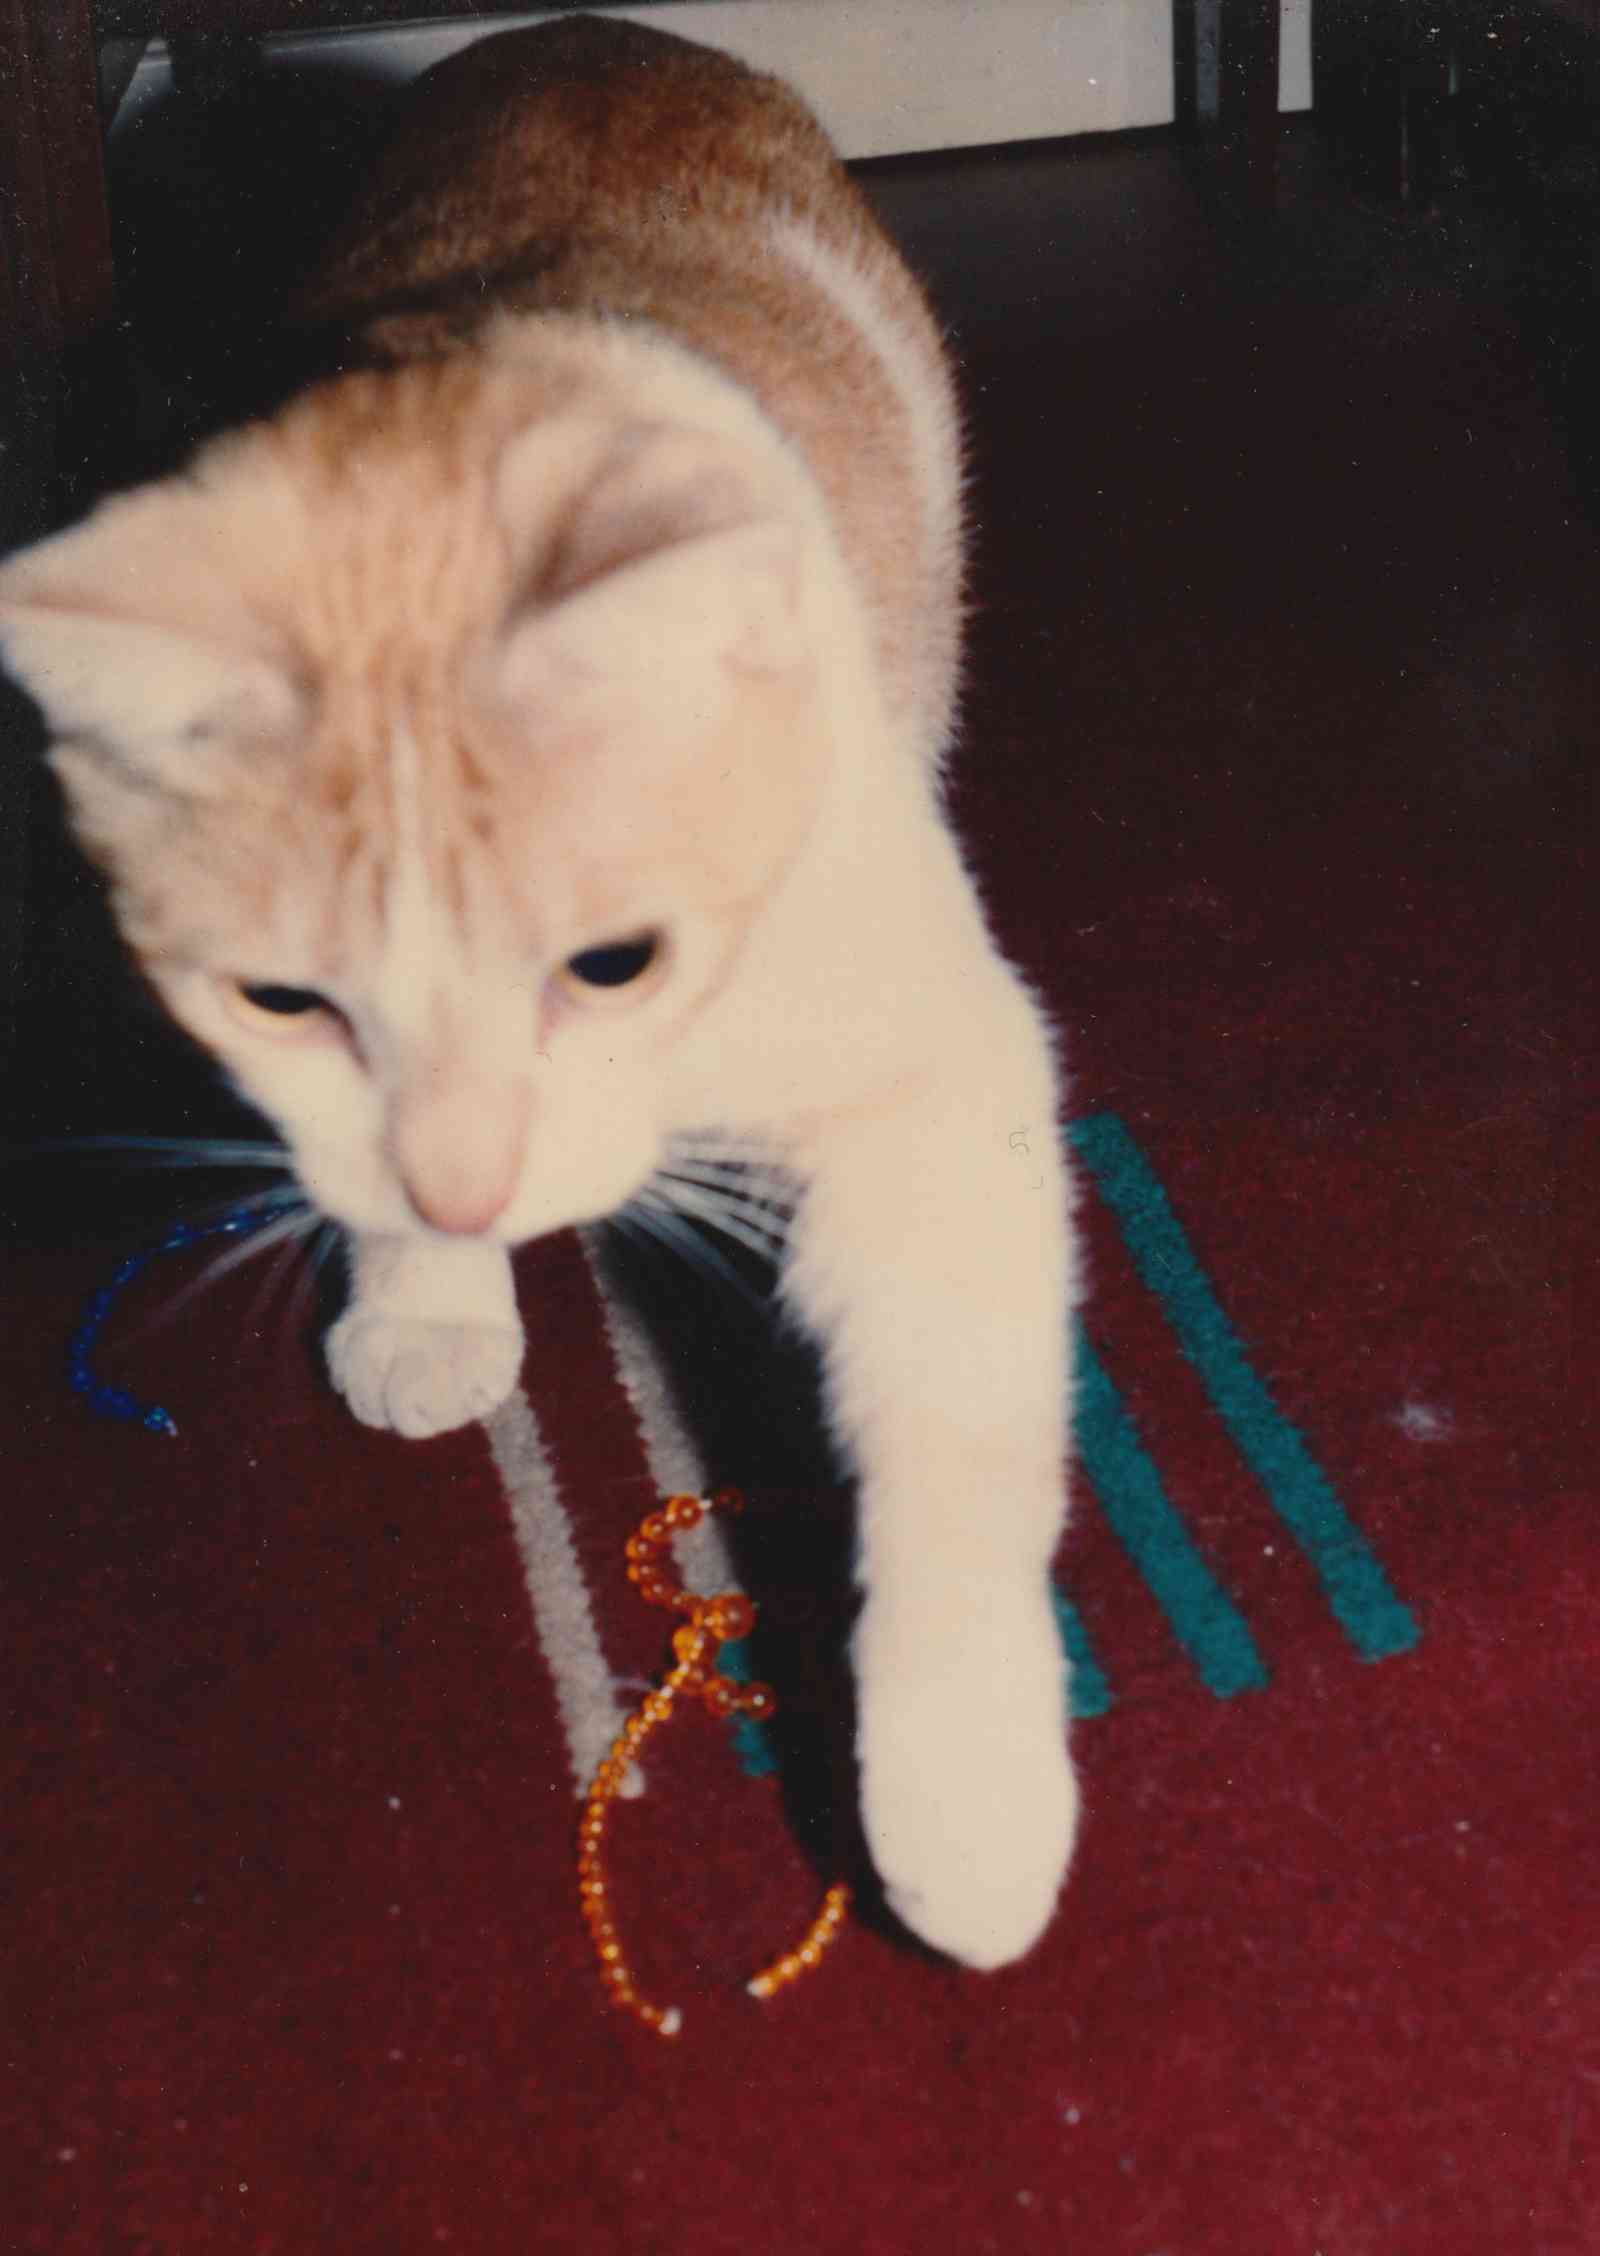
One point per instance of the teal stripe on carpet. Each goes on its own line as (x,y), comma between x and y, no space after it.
(1357,1589)
(752,1740)
(1091,1690)
(1204,1619)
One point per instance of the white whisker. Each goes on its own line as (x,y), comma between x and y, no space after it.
(757,1238)
(761,1239)
(648,1222)
(325,1241)
(766,1188)
(284,1270)
(171,1151)
(298,1223)
(727,1151)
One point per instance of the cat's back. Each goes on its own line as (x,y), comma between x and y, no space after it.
(600,169)
(530,147)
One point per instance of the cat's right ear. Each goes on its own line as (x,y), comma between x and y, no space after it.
(81,629)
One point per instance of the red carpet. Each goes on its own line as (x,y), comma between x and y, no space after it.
(298,1961)
(1291,824)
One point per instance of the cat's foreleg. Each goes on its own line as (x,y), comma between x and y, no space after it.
(431,1337)
(933,1257)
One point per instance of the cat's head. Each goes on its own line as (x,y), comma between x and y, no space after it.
(442,743)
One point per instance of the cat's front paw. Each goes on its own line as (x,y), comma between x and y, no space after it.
(968,1795)
(416,1376)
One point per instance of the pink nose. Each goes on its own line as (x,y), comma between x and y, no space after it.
(465,1209)
(458,1152)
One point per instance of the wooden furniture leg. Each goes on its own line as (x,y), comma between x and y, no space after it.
(55,237)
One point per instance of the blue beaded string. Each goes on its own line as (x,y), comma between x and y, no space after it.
(108,1401)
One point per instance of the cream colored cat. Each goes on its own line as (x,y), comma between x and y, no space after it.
(525,751)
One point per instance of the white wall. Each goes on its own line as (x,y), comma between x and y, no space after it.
(887,76)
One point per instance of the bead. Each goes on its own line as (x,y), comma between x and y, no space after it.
(728,1500)
(730,1616)
(709,1622)
(113,1402)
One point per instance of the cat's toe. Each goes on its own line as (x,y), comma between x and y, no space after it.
(416,1378)
(968,1795)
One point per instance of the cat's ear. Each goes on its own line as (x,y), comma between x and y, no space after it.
(669,542)
(91,625)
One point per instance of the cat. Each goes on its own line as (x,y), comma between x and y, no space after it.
(524,749)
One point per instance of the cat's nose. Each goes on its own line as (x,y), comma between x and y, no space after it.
(465,1210)
(458,1151)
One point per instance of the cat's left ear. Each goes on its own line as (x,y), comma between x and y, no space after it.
(668,540)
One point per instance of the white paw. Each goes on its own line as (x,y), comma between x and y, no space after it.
(968,1795)
(415,1376)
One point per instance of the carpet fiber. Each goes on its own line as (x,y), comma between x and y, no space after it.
(1278,772)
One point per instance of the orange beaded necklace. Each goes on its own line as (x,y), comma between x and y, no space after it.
(710,1624)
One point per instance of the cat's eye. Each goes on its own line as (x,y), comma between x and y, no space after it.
(283,1002)
(615,968)
(269,1007)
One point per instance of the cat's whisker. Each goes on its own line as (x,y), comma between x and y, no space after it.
(743,1219)
(725,1148)
(304,1272)
(647,1221)
(293,1225)
(169,1151)
(324,1243)
(288,1275)
(761,1239)
(271,1199)
(741,1186)
(766,1189)
(285,1231)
